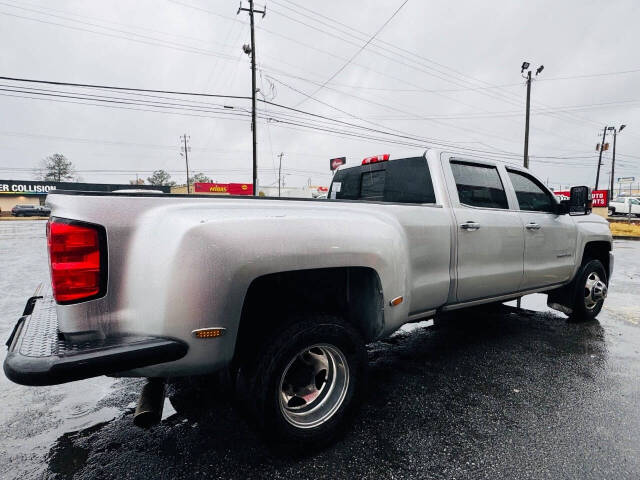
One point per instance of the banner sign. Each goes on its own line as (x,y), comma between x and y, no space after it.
(334,163)
(599,197)
(37,187)
(25,188)
(224,188)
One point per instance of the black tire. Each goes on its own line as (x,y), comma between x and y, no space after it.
(261,380)
(589,270)
(611,212)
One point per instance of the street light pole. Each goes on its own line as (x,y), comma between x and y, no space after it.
(613,158)
(525,66)
(526,122)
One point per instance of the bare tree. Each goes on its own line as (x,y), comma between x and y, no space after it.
(56,168)
(136,181)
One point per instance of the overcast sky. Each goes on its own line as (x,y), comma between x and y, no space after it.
(444,72)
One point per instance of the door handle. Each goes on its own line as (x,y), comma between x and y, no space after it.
(470,226)
(533,226)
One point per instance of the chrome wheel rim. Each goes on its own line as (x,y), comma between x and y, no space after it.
(313,386)
(595,291)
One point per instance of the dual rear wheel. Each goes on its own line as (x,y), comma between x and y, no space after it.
(301,387)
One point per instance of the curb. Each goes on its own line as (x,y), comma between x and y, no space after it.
(622,237)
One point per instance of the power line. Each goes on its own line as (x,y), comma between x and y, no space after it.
(413,56)
(344,65)
(45,11)
(590,75)
(407,140)
(161,43)
(83,85)
(131,89)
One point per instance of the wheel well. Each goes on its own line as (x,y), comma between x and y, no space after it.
(597,251)
(592,251)
(352,293)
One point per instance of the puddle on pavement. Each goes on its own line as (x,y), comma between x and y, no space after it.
(42,417)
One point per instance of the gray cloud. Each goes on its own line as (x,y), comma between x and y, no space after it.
(457,48)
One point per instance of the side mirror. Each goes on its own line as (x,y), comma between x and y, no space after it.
(580,201)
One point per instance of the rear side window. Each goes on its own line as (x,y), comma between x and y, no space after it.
(406,180)
(479,185)
(531,196)
(372,185)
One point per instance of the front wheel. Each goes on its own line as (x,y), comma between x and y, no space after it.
(590,291)
(301,387)
(612,212)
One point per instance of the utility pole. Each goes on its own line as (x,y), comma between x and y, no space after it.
(525,66)
(185,149)
(604,134)
(279,172)
(251,50)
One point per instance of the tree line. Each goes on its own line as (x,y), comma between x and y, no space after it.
(58,168)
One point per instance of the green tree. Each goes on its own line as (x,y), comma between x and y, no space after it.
(200,178)
(56,168)
(161,177)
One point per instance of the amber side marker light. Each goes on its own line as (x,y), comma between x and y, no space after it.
(209,332)
(396,301)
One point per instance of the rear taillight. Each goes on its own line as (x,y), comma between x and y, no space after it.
(77,256)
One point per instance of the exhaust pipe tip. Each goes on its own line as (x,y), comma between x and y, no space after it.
(149,409)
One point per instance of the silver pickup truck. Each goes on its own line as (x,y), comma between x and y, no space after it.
(283,294)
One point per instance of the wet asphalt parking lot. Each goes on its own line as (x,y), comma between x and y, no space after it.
(513,394)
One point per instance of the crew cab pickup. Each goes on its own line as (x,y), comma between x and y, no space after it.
(283,294)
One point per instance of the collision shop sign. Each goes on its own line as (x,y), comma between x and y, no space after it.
(599,197)
(25,188)
(224,188)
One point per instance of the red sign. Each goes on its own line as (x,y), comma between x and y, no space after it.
(336,162)
(224,188)
(599,197)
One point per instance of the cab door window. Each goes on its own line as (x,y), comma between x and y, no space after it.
(532,196)
(479,185)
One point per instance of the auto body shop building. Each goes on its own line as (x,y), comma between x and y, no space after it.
(32,192)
